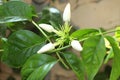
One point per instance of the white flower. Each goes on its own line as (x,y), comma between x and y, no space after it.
(47,27)
(67,13)
(76,45)
(47,47)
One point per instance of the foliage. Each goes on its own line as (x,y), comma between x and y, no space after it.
(25,49)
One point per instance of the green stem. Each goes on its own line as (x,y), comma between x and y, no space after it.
(62,60)
(101,33)
(60,49)
(41,31)
(110,31)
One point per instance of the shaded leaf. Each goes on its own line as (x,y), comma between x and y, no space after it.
(93,54)
(13,11)
(76,64)
(37,66)
(115,73)
(3,29)
(50,15)
(20,46)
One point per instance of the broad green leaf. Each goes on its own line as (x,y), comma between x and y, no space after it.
(115,73)
(20,46)
(93,54)
(76,64)
(37,66)
(13,11)
(83,33)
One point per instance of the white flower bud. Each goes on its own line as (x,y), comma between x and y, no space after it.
(67,13)
(47,27)
(47,47)
(76,45)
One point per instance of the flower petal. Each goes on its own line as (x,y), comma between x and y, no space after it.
(76,45)
(67,13)
(47,27)
(47,47)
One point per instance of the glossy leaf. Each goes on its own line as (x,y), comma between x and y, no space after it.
(92,55)
(13,11)
(37,66)
(115,73)
(76,64)
(83,33)
(21,45)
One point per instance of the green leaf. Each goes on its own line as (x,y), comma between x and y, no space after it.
(76,64)
(83,33)
(117,33)
(109,56)
(93,54)
(3,29)
(14,11)
(20,46)
(37,66)
(115,73)
(51,15)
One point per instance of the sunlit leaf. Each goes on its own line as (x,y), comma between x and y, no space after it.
(92,55)
(115,73)
(109,56)
(117,33)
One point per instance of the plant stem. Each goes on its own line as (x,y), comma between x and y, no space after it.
(110,31)
(60,49)
(100,33)
(62,60)
(41,31)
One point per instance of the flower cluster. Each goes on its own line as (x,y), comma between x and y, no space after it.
(63,33)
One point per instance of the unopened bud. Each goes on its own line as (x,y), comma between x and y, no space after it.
(76,45)
(47,47)
(67,13)
(47,27)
